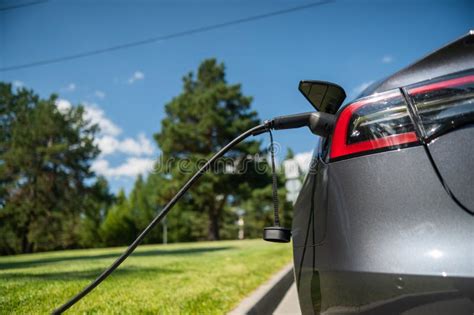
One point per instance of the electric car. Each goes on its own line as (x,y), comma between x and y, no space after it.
(384,223)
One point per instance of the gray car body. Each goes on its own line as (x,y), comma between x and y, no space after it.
(383,233)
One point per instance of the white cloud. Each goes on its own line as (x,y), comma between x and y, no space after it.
(101,167)
(136,76)
(136,147)
(100,94)
(387,59)
(93,114)
(131,168)
(109,142)
(361,87)
(18,84)
(97,116)
(63,105)
(107,139)
(71,87)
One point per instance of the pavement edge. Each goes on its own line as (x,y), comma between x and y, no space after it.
(266,298)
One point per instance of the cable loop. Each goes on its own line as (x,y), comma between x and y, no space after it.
(274,182)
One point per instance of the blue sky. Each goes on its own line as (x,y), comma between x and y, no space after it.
(351,43)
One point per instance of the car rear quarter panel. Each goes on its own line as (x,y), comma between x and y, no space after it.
(390,227)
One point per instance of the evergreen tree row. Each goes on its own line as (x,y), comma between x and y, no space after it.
(50,199)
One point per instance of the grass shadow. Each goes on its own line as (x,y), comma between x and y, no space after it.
(141,253)
(84,274)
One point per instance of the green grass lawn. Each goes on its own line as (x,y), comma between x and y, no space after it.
(205,278)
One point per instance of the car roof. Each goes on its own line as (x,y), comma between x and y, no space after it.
(454,57)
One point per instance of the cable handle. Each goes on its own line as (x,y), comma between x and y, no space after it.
(277,233)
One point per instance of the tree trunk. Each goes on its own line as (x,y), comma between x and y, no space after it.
(213,231)
(25,244)
(214,217)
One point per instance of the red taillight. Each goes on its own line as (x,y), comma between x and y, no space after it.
(469,79)
(373,124)
(382,122)
(444,105)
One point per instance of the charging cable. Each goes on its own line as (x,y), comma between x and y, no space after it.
(253,131)
(318,122)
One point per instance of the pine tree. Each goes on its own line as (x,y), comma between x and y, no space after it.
(45,160)
(97,202)
(119,228)
(207,115)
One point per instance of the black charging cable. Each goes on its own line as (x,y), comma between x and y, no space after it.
(318,123)
(276,216)
(277,233)
(253,131)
